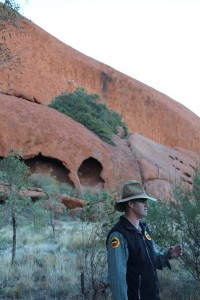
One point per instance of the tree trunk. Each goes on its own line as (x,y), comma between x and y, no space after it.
(14,224)
(52,221)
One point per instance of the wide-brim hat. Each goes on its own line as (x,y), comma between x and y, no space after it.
(132,190)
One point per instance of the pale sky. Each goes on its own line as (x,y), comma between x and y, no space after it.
(154,41)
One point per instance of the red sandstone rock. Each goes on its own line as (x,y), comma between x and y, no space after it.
(161,189)
(34,194)
(161,167)
(71,202)
(42,132)
(55,144)
(49,67)
(88,162)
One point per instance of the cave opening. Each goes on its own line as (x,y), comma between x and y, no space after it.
(50,166)
(89,174)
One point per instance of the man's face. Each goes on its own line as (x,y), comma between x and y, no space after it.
(140,208)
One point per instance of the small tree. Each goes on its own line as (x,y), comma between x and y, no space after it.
(98,216)
(9,17)
(179,222)
(15,173)
(161,224)
(186,216)
(51,187)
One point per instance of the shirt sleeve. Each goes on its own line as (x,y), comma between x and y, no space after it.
(117,256)
(162,258)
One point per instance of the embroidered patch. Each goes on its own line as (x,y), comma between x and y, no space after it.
(115,242)
(147,236)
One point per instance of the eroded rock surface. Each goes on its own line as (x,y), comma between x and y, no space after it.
(55,144)
(47,136)
(49,67)
(161,167)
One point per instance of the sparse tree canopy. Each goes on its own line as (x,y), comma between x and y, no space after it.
(186,215)
(50,186)
(14,173)
(179,222)
(9,17)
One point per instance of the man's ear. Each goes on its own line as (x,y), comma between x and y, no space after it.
(130,203)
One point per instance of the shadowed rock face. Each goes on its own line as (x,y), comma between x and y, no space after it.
(89,174)
(55,144)
(50,166)
(49,67)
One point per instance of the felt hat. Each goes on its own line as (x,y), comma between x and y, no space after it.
(132,190)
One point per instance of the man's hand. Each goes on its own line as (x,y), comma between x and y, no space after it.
(175,251)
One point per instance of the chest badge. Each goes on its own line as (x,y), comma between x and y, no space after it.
(147,235)
(115,242)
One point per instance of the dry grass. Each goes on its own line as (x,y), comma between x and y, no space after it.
(53,267)
(47,266)
(177,284)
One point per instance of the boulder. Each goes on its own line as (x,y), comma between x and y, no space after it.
(72,202)
(33,193)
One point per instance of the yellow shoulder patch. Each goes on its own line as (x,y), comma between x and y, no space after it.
(147,236)
(115,242)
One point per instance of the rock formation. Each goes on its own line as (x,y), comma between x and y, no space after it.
(49,136)
(163,146)
(49,67)
(54,144)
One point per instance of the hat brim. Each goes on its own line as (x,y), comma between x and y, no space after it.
(119,204)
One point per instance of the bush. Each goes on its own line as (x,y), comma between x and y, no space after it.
(14,173)
(85,109)
(77,246)
(186,215)
(161,225)
(50,186)
(69,190)
(179,222)
(43,264)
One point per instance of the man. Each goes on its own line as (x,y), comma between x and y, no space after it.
(132,254)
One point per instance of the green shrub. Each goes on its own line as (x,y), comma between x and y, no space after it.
(51,208)
(186,215)
(85,109)
(46,182)
(179,222)
(69,190)
(42,263)
(15,174)
(161,224)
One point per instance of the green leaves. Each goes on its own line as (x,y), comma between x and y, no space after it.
(160,223)
(9,19)
(14,171)
(85,109)
(179,222)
